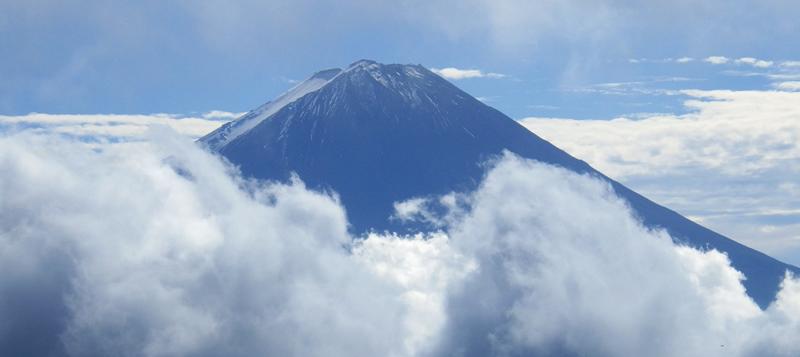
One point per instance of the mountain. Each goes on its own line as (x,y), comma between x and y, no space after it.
(382,133)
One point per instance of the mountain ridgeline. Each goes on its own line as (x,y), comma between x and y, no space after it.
(381,133)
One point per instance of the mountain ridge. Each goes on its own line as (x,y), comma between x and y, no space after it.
(381,133)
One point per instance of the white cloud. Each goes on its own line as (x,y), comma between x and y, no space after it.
(717,59)
(456,74)
(788,86)
(425,268)
(684,60)
(730,162)
(790,64)
(783,76)
(567,271)
(125,126)
(409,209)
(754,62)
(157,248)
(146,261)
(221,115)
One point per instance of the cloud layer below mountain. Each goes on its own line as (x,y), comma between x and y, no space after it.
(114,126)
(157,248)
(730,163)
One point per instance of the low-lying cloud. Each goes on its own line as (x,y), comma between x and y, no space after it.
(115,126)
(158,248)
(730,163)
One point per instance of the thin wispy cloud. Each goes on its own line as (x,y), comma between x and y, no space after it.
(788,86)
(755,62)
(661,60)
(641,87)
(718,60)
(457,74)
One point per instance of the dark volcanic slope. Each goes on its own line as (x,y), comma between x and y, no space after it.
(378,133)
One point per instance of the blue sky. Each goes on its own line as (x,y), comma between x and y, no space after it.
(727,159)
(183,56)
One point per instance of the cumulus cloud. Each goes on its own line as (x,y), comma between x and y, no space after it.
(456,74)
(599,285)
(116,125)
(717,59)
(729,163)
(157,248)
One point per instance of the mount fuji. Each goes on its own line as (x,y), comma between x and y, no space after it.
(382,133)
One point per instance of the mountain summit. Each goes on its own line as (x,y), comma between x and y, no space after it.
(382,133)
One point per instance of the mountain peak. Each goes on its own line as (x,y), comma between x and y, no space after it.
(381,71)
(377,134)
(406,81)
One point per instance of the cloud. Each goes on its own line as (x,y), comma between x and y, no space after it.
(632,88)
(221,115)
(754,62)
(568,271)
(788,86)
(159,248)
(680,60)
(117,126)
(729,163)
(717,59)
(456,74)
(790,64)
(155,256)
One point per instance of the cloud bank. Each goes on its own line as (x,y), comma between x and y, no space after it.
(729,163)
(115,126)
(158,248)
